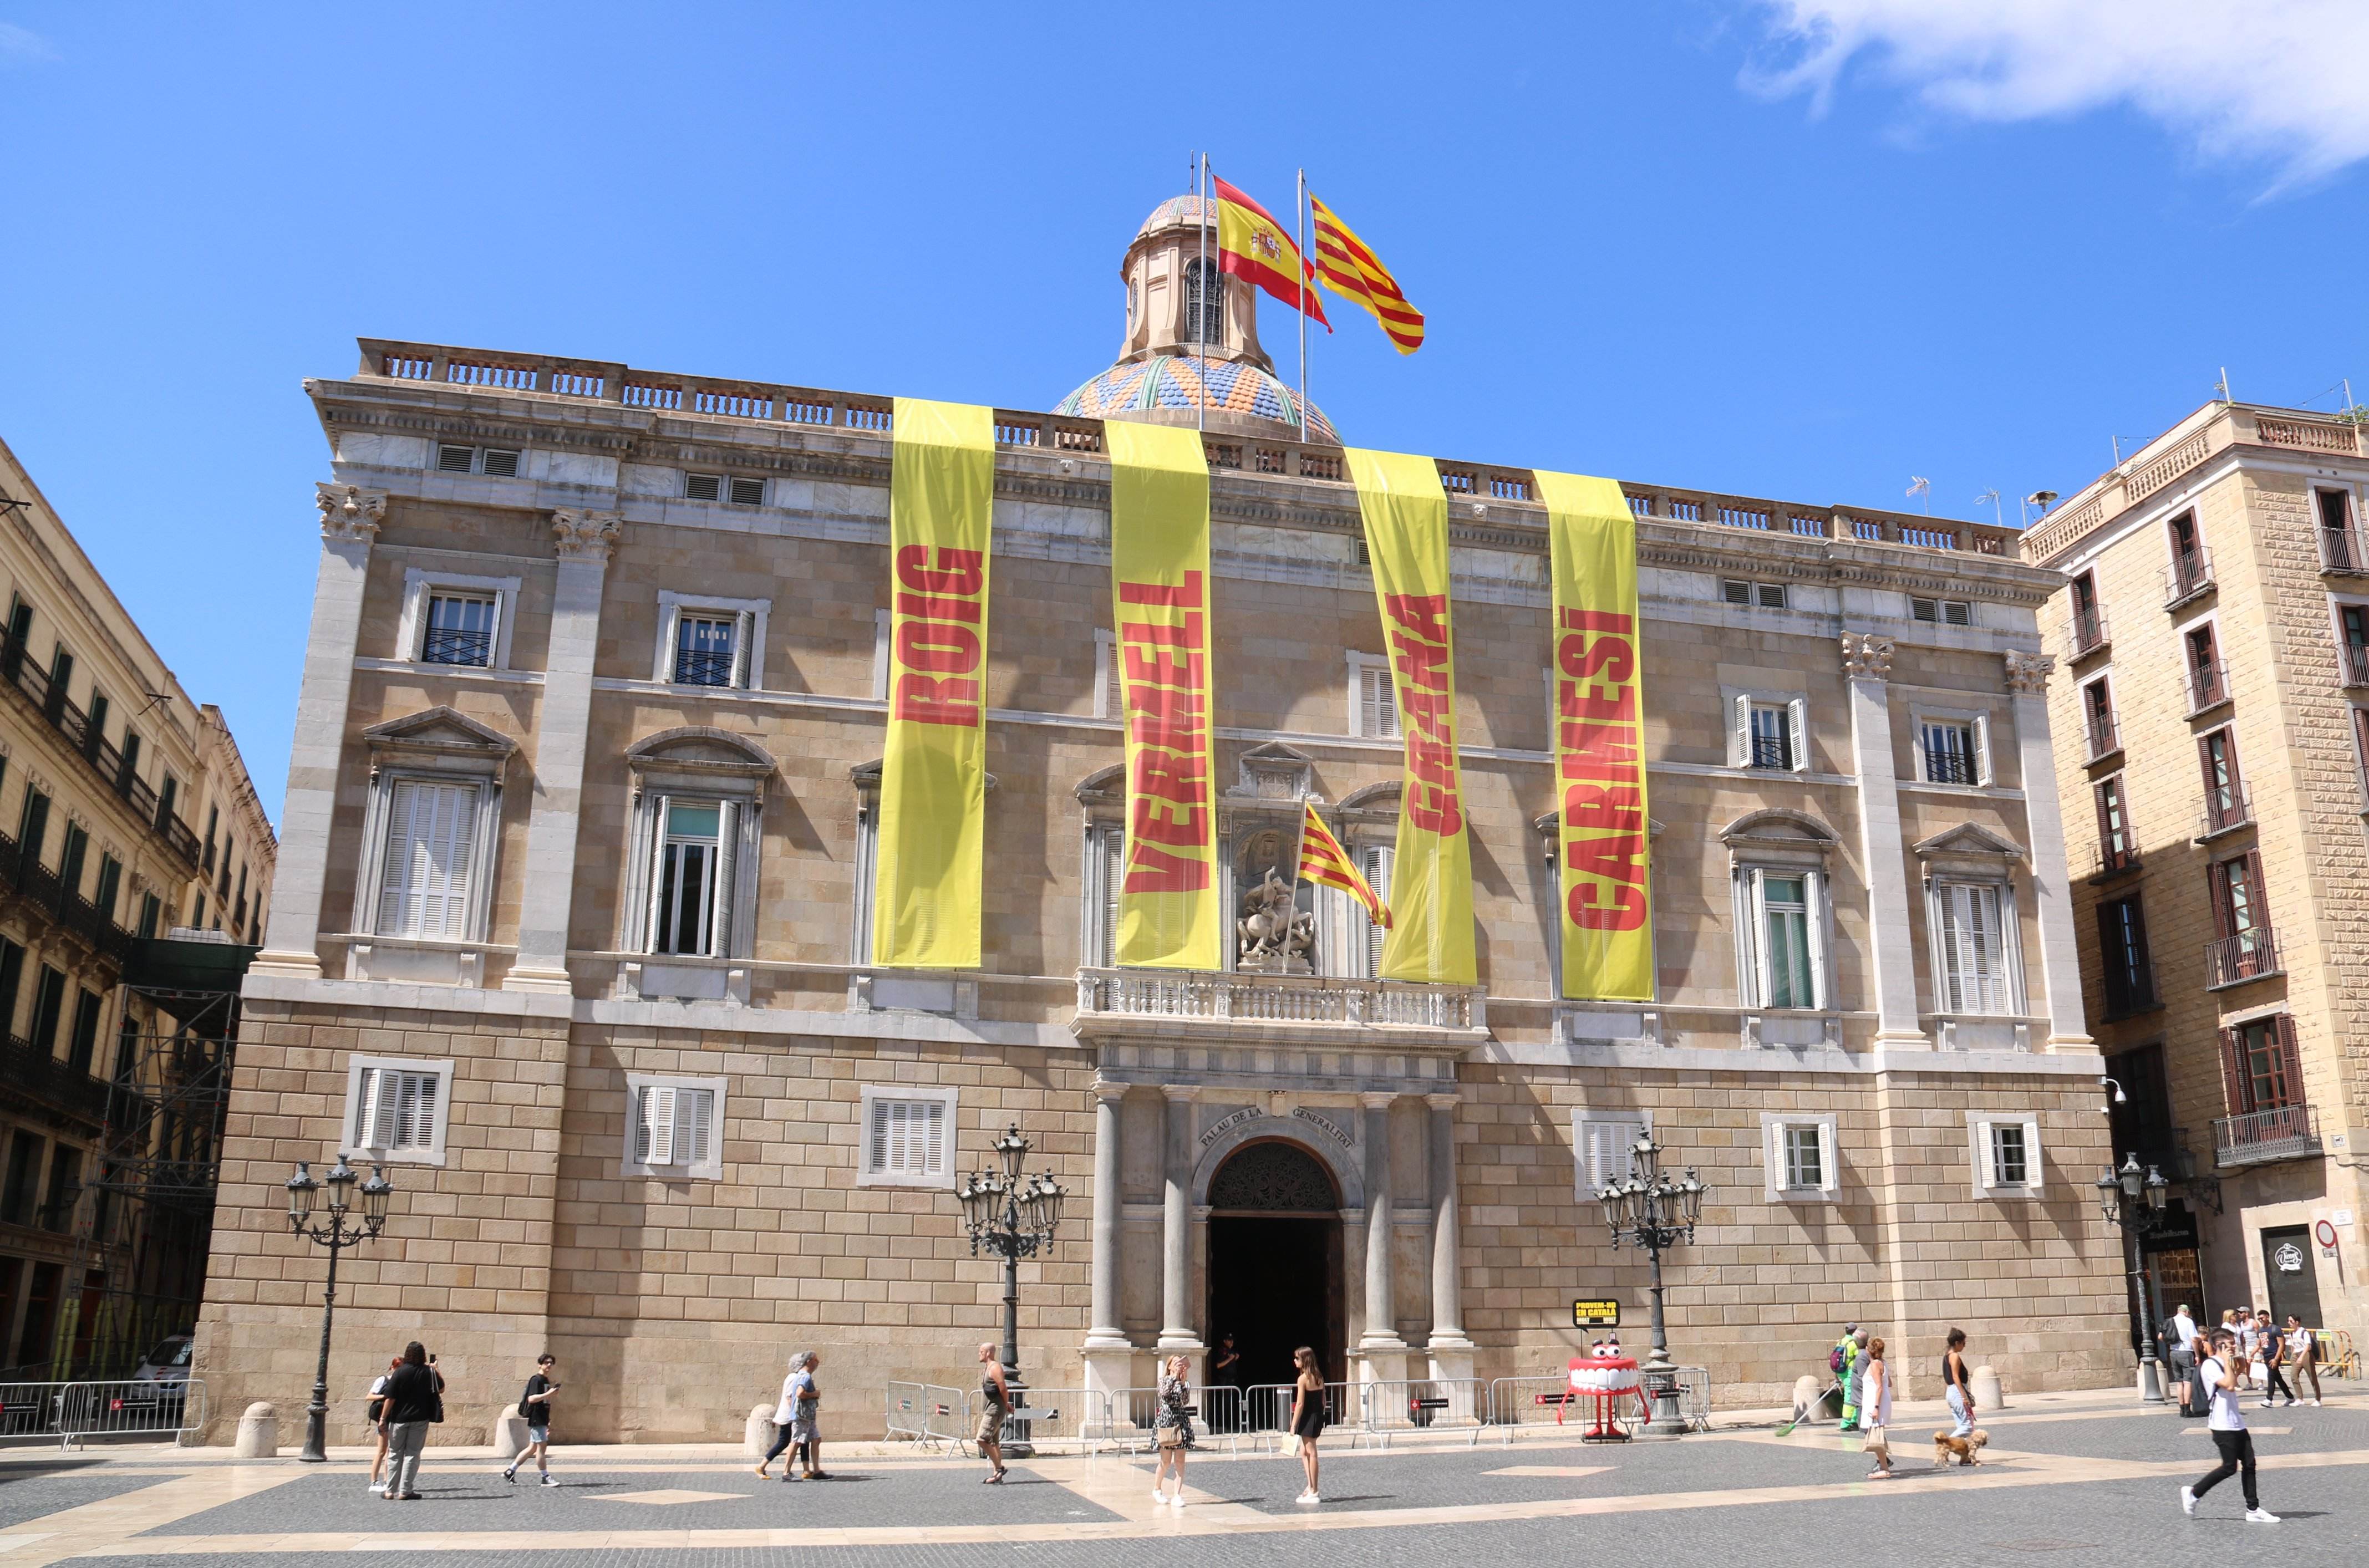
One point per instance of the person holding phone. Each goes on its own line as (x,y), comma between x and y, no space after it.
(534,1408)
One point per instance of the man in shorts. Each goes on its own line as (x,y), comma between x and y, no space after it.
(535,1407)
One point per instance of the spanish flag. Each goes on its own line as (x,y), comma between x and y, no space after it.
(1321,859)
(1349,269)
(1254,248)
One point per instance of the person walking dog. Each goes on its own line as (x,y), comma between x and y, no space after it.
(1175,1428)
(2218,1374)
(1955,1388)
(534,1406)
(995,1398)
(415,1401)
(1308,1415)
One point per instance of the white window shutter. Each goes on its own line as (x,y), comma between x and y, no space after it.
(1813,903)
(1986,1154)
(1110,696)
(652,917)
(1772,1154)
(724,896)
(932,1159)
(1112,842)
(688,1125)
(1376,867)
(366,1108)
(744,648)
(1761,987)
(2032,1176)
(1983,749)
(658,1122)
(1829,1167)
(1739,734)
(876,1137)
(880,656)
(1797,724)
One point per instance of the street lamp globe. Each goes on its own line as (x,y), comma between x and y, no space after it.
(1690,1196)
(341,1180)
(1047,1199)
(2131,1177)
(303,1188)
(2156,1187)
(1610,1199)
(375,1192)
(1013,1150)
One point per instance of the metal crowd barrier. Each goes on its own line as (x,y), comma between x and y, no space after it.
(924,1413)
(1047,1416)
(1516,1403)
(1694,1394)
(1267,1408)
(119,1407)
(1218,1413)
(1414,1405)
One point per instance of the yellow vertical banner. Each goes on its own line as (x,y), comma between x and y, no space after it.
(928,880)
(1168,916)
(1607,916)
(1405,513)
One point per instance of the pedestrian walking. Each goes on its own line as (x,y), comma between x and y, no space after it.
(415,1401)
(1173,1428)
(2272,1345)
(535,1407)
(377,1409)
(1308,1415)
(2249,1366)
(1854,1375)
(2229,1434)
(995,1399)
(804,1397)
(1955,1388)
(1838,1361)
(1875,1385)
(2303,1355)
(2180,1351)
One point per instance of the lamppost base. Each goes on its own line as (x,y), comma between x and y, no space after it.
(1660,1381)
(316,1437)
(2151,1383)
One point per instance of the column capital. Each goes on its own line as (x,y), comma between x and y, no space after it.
(349,512)
(1105,1089)
(1175,1094)
(586,535)
(2028,673)
(1378,1100)
(1443,1102)
(1867,656)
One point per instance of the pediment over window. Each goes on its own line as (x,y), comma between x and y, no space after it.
(867,778)
(1550,825)
(699,750)
(1374,798)
(1777,828)
(1274,772)
(1969,842)
(1104,786)
(439,736)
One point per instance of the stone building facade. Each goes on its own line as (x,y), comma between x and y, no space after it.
(105,766)
(571,925)
(2215,623)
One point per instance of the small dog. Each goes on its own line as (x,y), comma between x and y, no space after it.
(1962,1449)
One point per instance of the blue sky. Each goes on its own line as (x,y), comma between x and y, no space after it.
(1802,251)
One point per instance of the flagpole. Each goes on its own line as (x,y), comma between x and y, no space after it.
(1201,315)
(1299,235)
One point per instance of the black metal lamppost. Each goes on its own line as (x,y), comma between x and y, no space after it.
(1655,1212)
(2135,1200)
(1012,1214)
(303,1187)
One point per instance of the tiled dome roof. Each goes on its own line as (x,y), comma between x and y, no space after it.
(1167,381)
(1186,210)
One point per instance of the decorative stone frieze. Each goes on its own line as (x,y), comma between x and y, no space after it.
(348,511)
(586,535)
(1867,656)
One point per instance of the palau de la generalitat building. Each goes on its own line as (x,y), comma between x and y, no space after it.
(573,930)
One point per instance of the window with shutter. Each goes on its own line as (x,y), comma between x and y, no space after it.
(1373,864)
(1604,1147)
(908,1138)
(674,1130)
(1950,755)
(1973,943)
(424,880)
(1378,705)
(499,463)
(703,486)
(1805,1164)
(1736,592)
(455,459)
(394,1111)
(689,842)
(748,492)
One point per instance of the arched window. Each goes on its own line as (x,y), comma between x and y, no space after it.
(1205,302)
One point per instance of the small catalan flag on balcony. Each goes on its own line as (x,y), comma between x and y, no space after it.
(1321,859)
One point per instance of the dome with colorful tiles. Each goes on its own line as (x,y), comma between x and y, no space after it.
(1183,382)
(1176,210)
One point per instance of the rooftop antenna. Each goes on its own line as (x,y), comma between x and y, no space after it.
(1922,488)
(1992,496)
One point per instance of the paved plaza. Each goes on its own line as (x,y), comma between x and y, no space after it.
(2090,1475)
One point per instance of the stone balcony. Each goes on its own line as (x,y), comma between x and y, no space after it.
(1217,1006)
(2258,1138)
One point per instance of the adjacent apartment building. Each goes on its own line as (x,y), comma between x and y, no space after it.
(571,930)
(104,766)
(2216,631)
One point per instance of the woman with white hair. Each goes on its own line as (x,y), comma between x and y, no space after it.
(794,1420)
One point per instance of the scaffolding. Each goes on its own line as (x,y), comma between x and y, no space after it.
(144,1218)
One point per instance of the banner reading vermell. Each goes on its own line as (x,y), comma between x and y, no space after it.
(1168,916)
(927,881)
(1607,918)
(1405,513)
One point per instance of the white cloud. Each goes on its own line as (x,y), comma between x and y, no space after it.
(2284,82)
(23,44)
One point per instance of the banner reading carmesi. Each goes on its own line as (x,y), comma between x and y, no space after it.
(1607,918)
(928,880)
(1405,513)
(1168,916)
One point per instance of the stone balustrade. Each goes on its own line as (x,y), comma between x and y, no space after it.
(1257,1000)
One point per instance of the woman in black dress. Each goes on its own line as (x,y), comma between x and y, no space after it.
(1308,1415)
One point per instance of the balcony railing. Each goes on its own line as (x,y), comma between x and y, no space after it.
(2226,809)
(1255,999)
(2248,956)
(26,876)
(2104,739)
(2283,1132)
(2341,550)
(32,683)
(1950,768)
(2208,686)
(702,667)
(2089,633)
(1773,752)
(2356,664)
(44,1078)
(2112,862)
(2190,574)
(451,645)
(2131,992)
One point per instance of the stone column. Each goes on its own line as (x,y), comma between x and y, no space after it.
(2060,951)
(1867,661)
(349,522)
(1108,1357)
(1451,1350)
(1381,1350)
(1176,1330)
(585,541)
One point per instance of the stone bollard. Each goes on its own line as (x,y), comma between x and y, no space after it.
(507,1432)
(1805,1396)
(1987,1394)
(258,1433)
(759,1432)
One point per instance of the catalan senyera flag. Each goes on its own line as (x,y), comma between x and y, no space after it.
(1169,914)
(1344,266)
(1253,246)
(1321,859)
(1405,513)
(927,881)
(1607,917)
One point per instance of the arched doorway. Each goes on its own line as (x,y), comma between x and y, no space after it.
(1274,1266)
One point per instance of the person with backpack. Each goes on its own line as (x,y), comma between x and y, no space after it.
(1838,1362)
(414,1401)
(1854,1380)
(2217,1375)
(534,1408)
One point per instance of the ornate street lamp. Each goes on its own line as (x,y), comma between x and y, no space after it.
(304,1191)
(1014,1216)
(2135,1200)
(1655,1212)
